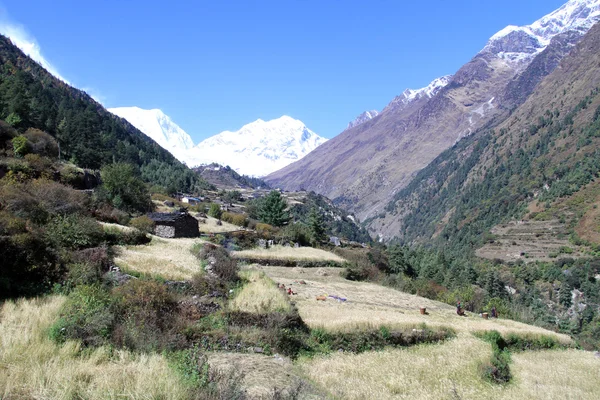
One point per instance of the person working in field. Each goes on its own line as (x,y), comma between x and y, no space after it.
(459,309)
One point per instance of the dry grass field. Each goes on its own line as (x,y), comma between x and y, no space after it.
(33,367)
(210,226)
(371,305)
(169,258)
(450,371)
(288,253)
(263,375)
(259,295)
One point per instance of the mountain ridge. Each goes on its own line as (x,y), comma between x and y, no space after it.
(363,167)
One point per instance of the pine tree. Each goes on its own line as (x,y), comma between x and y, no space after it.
(272,209)
(316,225)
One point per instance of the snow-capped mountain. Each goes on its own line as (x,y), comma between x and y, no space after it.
(520,44)
(258,148)
(362,118)
(410,95)
(158,126)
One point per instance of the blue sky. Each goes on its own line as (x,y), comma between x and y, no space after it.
(217,65)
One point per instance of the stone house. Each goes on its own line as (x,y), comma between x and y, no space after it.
(174,225)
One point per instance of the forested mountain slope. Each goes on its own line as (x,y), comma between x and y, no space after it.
(88,135)
(365,166)
(547,149)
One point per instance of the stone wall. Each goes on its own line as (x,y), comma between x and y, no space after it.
(164,231)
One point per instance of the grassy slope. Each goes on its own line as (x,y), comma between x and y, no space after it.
(32,366)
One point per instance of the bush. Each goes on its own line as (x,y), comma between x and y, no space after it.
(107,213)
(297,233)
(146,314)
(20,146)
(125,189)
(265,230)
(123,237)
(86,316)
(219,262)
(215,211)
(143,223)
(236,219)
(83,274)
(41,165)
(41,143)
(74,232)
(70,175)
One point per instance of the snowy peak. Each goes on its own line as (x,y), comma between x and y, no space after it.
(158,126)
(362,118)
(258,148)
(522,43)
(410,95)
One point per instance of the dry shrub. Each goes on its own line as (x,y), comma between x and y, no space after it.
(107,213)
(143,223)
(235,219)
(41,143)
(219,262)
(41,165)
(146,317)
(265,230)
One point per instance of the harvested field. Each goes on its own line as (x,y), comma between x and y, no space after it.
(210,226)
(528,241)
(372,305)
(450,371)
(288,253)
(169,258)
(263,375)
(259,295)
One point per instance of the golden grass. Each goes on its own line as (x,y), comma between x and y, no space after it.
(450,371)
(288,253)
(169,258)
(422,372)
(211,226)
(108,225)
(261,373)
(554,375)
(260,295)
(372,305)
(32,366)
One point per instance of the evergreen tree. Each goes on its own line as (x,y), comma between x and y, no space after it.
(272,209)
(316,225)
(124,189)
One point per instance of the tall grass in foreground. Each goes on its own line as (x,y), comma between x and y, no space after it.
(32,366)
(450,370)
(260,295)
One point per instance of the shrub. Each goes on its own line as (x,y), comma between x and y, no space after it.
(41,165)
(215,211)
(219,262)
(146,314)
(107,213)
(70,175)
(143,223)
(265,230)
(41,143)
(83,274)
(297,233)
(236,219)
(122,237)
(20,146)
(125,189)
(86,316)
(74,232)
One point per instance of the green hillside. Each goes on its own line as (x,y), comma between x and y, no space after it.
(88,135)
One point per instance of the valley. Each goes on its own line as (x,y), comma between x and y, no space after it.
(447,246)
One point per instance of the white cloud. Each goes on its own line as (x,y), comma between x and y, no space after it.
(26,42)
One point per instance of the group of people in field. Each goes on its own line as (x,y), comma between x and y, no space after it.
(461,311)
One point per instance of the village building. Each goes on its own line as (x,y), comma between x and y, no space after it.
(191,200)
(174,225)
